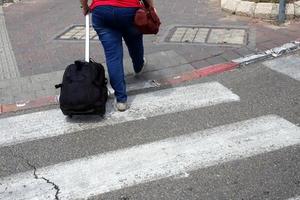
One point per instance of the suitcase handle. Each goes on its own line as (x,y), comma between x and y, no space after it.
(87,38)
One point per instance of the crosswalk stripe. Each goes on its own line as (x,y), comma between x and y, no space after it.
(52,123)
(286,65)
(111,171)
(294,198)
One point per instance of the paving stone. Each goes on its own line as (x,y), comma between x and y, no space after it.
(16,90)
(40,78)
(35,87)
(6,99)
(164,59)
(8,63)
(246,8)
(57,77)
(178,35)
(167,72)
(275,11)
(26,84)
(23,97)
(44,93)
(155,61)
(266,45)
(176,38)
(231,5)
(223,2)
(243,51)
(235,40)
(297,8)
(128,67)
(216,36)
(190,35)
(215,60)
(201,35)
(77,33)
(225,36)
(4,84)
(200,64)
(230,55)
(264,10)
(290,11)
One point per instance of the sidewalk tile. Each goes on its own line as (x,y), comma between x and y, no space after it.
(200,64)
(243,51)
(168,72)
(290,11)
(297,8)
(215,60)
(230,55)
(231,5)
(264,10)
(246,8)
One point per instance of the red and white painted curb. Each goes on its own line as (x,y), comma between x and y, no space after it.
(223,67)
(187,76)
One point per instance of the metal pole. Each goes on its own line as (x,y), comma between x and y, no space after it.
(282,7)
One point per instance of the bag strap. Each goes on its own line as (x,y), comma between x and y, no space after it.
(58,86)
(145,3)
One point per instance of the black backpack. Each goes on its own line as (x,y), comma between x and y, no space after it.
(83,89)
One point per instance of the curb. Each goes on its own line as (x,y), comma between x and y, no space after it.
(260,10)
(187,76)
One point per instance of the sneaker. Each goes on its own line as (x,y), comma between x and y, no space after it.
(121,106)
(143,67)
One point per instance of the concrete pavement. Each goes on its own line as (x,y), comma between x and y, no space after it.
(234,135)
(251,143)
(40,55)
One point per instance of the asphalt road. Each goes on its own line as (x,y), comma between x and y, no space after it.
(272,173)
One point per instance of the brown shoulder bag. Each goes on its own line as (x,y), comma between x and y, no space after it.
(146,19)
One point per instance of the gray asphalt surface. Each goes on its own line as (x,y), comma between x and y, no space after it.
(274,175)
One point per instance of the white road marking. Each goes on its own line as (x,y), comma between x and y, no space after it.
(123,168)
(286,65)
(44,124)
(294,198)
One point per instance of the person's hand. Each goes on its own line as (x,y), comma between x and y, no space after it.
(85,10)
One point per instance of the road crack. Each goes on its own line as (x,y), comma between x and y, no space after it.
(56,187)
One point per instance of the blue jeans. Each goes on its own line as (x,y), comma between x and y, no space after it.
(112,24)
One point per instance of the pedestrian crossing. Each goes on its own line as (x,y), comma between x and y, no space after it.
(286,65)
(52,123)
(295,198)
(142,163)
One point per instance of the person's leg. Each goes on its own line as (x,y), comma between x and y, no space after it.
(132,36)
(111,40)
(135,47)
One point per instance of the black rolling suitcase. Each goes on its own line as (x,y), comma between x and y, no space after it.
(84,86)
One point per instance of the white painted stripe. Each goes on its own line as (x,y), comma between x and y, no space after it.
(144,163)
(250,58)
(294,198)
(287,65)
(51,123)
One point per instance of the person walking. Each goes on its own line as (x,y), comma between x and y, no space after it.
(113,20)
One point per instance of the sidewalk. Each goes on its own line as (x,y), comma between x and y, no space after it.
(41,58)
